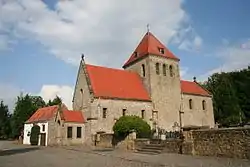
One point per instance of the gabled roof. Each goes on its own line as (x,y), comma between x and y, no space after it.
(48,113)
(149,45)
(115,83)
(43,114)
(188,87)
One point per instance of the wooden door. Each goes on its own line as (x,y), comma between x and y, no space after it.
(43,139)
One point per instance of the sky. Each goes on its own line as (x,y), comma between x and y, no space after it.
(41,41)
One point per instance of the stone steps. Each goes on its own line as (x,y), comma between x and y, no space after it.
(154,146)
(150,149)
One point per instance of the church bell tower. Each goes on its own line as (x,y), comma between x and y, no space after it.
(159,70)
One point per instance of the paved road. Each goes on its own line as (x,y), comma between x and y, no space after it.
(26,156)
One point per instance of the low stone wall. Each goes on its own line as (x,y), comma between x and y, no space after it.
(104,140)
(187,148)
(139,143)
(230,142)
(172,146)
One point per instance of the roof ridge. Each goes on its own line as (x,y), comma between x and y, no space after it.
(117,69)
(148,34)
(203,88)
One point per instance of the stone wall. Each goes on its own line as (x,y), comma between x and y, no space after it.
(164,90)
(230,142)
(197,116)
(139,143)
(74,140)
(115,111)
(106,140)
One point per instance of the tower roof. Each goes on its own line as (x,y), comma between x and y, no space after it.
(150,45)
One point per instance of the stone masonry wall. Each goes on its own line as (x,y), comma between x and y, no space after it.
(74,140)
(164,89)
(115,111)
(197,116)
(233,142)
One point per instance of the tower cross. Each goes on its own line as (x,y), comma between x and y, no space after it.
(147,27)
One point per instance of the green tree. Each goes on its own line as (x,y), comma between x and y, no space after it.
(57,100)
(5,128)
(227,109)
(25,106)
(126,124)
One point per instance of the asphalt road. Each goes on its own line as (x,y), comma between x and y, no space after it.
(14,155)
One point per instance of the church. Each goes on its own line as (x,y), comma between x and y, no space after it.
(149,86)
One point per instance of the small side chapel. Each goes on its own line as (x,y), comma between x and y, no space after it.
(149,86)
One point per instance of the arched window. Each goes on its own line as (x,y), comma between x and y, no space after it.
(143,70)
(190,104)
(157,68)
(171,71)
(204,105)
(164,69)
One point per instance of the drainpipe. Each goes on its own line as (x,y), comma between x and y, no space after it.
(181,130)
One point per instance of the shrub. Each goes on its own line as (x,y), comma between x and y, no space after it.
(126,124)
(34,136)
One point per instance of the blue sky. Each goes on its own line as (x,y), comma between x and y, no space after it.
(41,41)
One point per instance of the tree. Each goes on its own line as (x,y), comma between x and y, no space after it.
(126,124)
(57,100)
(25,107)
(5,128)
(230,96)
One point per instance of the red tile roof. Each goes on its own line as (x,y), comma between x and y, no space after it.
(47,113)
(115,83)
(149,45)
(43,114)
(73,116)
(189,87)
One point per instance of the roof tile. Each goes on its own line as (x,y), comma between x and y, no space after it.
(43,114)
(47,113)
(189,87)
(115,83)
(73,116)
(149,45)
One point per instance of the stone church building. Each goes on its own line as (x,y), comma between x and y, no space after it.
(149,86)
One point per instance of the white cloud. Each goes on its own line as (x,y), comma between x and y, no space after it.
(183,72)
(191,44)
(51,91)
(188,39)
(234,57)
(9,92)
(3,42)
(102,31)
